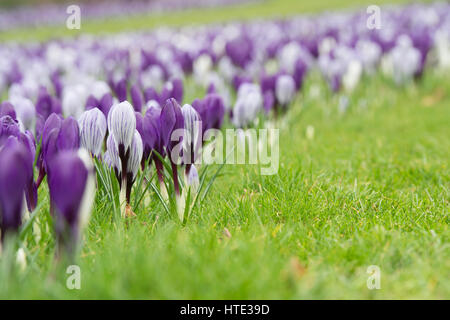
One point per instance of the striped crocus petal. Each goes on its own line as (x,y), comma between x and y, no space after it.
(192,127)
(122,124)
(92,130)
(113,154)
(136,151)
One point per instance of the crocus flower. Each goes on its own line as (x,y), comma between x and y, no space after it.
(14,170)
(8,127)
(285,90)
(58,134)
(7,109)
(70,170)
(149,131)
(46,104)
(211,110)
(172,89)
(92,125)
(122,124)
(122,128)
(104,103)
(171,119)
(240,51)
(125,171)
(248,104)
(403,61)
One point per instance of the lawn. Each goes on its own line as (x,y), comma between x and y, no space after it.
(369,187)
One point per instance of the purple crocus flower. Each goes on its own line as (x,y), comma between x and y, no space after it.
(46,104)
(172,89)
(58,134)
(70,170)
(14,169)
(149,131)
(69,135)
(171,119)
(7,109)
(240,51)
(211,110)
(8,127)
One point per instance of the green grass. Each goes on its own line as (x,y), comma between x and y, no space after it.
(265,9)
(371,188)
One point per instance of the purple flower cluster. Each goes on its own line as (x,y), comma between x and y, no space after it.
(121,97)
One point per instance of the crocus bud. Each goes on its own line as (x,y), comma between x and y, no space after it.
(122,124)
(150,132)
(171,119)
(285,90)
(92,130)
(70,171)
(13,180)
